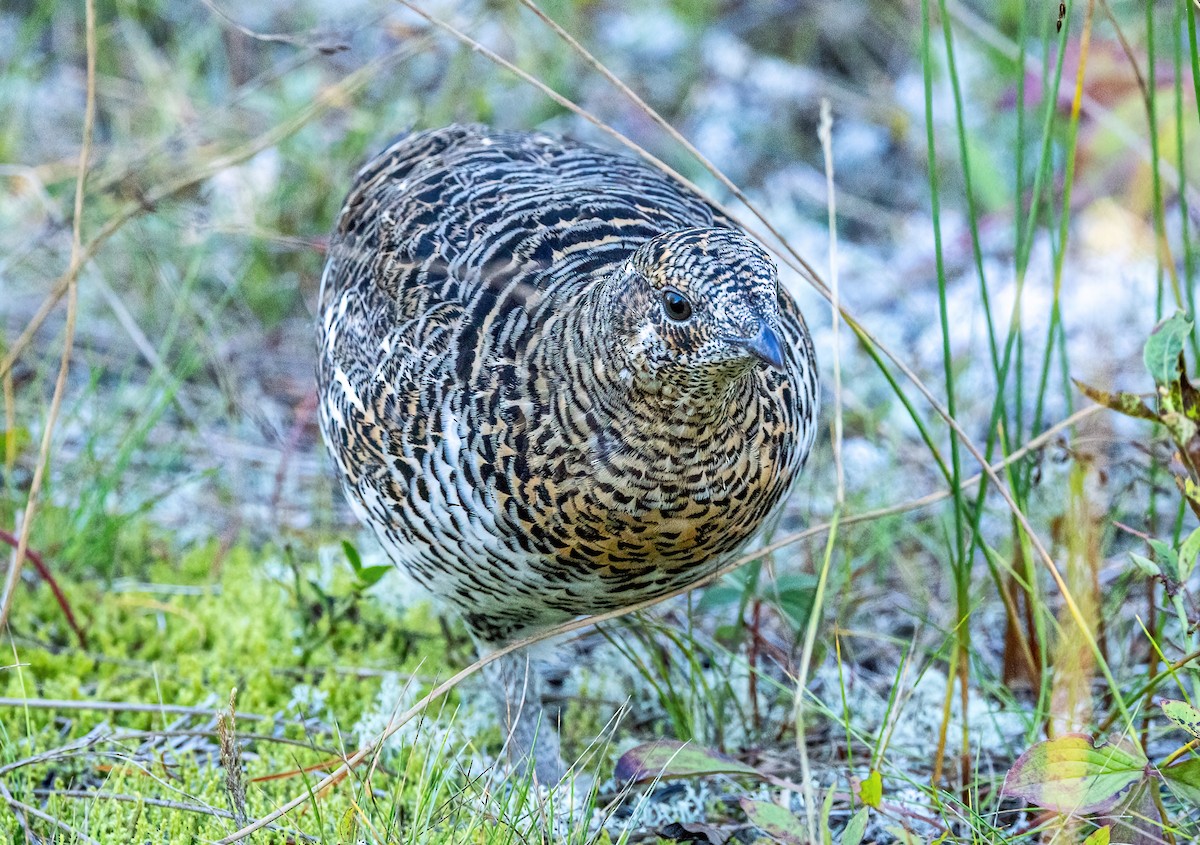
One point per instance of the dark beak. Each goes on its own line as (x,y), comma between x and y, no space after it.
(765,345)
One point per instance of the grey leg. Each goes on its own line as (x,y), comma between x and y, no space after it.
(531,735)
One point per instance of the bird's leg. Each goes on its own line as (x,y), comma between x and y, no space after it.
(531,737)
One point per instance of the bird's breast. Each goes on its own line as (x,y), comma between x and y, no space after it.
(612,495)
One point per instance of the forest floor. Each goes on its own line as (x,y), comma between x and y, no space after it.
(191,518)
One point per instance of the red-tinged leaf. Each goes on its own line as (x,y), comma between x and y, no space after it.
(1070,774)
(1182,714)
(1129,404)
(1136,820)
(775,821)
(668,758)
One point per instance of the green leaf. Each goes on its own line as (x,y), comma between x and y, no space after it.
(668,758)
(348,826)
(719,595)
(1167,559)
(352,555)
(856,828)
(1181,429)
(1164,346)
(1188,552)
(1147,566)
(773,820)
(1099,836)
(871,791)
(1184,780)
(1070,774)
(371,575)
(1183,714)
(1164,552)
(826,810)
(1129,404)
(795,599)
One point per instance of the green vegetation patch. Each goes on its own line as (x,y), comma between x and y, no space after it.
(311,664)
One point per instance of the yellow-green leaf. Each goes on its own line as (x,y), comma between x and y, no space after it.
(1182,714)
(1189,550)
(871,790)
(347,826)
(826,811)
(1099,836)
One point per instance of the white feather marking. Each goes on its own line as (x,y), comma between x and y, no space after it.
(339,376)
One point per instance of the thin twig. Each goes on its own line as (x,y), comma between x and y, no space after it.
(121,707)
(278,38)
(59,596)
(143,345)
(87,743)
(183,806)
(16,811)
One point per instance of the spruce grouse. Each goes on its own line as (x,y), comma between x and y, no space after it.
(555,381)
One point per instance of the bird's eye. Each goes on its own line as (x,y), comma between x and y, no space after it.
(676,305)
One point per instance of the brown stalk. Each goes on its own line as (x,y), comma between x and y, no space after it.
(59,596)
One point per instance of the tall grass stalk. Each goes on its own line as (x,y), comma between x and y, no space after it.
(1166,263)
(1181,125)
(802,674)
(960,563)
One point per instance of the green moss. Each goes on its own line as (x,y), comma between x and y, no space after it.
(189,644)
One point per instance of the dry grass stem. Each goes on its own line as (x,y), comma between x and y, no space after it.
(825,131)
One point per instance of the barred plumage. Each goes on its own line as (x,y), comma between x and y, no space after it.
(554,380)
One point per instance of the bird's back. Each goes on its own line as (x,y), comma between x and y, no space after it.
(479,440)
